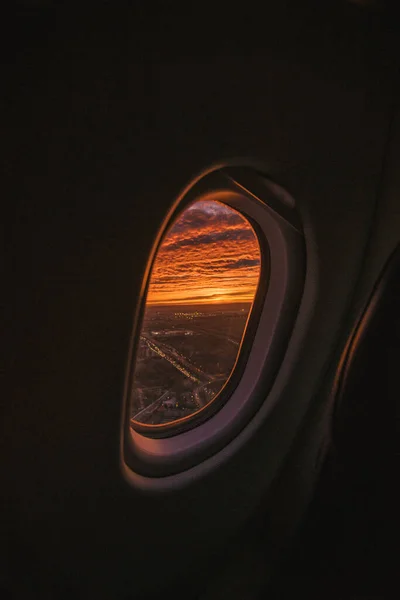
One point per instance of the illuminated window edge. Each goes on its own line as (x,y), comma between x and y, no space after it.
(190,421)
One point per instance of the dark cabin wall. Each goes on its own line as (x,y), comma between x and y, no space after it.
(107,116)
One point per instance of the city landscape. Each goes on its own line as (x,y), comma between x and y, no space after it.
(185,356)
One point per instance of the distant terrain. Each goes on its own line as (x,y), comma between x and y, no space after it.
(185,355)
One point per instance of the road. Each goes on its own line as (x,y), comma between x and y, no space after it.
(148,410)
(178,360)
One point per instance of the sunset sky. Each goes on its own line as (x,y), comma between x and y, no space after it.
(210,255)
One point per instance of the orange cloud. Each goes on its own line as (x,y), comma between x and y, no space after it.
(211,254)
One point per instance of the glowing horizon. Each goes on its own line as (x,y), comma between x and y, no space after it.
(210,255)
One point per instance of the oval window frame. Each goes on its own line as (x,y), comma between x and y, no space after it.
(273,210)
(186,423)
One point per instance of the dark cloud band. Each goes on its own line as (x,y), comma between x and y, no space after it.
(210,253)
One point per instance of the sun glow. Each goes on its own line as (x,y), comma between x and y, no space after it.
(210,255)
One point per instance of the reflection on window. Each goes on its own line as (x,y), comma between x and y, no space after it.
(202,286)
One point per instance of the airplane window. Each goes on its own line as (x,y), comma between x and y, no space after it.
(201,290)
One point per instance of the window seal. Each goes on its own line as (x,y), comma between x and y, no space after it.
(259,201)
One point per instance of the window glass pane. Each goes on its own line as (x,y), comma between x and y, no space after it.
(202,286)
